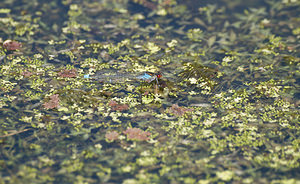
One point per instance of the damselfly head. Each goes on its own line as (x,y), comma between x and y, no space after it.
(158,75)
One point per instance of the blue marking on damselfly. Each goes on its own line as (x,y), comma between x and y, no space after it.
(86,76)
(146,77)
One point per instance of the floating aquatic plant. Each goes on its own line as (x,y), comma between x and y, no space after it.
(118,107)
(197,76)
(178,111)
(112,136)
(137,134)
(68,73)
(11,45)
(53,102)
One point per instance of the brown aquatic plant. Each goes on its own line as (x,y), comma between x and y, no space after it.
(11,45)
(118,107)
(68,73)
(53,102)
(112,136)
(137,134)
(27,74)
(178,111)
(146,3)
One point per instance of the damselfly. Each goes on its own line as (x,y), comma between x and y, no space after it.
(146,76)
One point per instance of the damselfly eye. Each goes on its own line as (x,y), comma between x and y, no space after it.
(158,75)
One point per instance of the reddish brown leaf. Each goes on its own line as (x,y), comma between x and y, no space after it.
(178,111)
(137,134)
(118,107)
(27,74)
(11,45)
(68,73)
(111,136)
(53,102)
(148,4)
(112,103)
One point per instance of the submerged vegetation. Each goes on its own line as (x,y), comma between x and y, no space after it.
(222,105)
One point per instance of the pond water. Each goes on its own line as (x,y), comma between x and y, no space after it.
(149,91)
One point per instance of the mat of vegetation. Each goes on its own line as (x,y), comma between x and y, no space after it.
(221,104)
